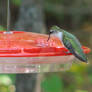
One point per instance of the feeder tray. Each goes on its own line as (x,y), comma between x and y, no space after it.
(27,52)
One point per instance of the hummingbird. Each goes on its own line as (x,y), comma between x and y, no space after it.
(69,41)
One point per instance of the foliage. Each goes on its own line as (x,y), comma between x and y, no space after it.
(73,80)
(2,28)
(52,83)
(7,82)
(81,91)
(16,2)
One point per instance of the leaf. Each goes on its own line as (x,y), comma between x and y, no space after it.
(52,83)
(16,2)
(81,91)
(90,78)
(2,28)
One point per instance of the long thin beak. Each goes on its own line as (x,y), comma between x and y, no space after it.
(48,37)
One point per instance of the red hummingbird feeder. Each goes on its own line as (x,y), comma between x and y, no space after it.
(27,52)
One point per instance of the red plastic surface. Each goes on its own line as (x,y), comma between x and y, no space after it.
(28,44)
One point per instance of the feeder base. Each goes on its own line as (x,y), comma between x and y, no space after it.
(35,64)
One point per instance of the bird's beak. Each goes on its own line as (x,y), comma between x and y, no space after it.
(49,36)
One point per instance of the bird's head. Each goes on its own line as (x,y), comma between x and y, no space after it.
(56,31)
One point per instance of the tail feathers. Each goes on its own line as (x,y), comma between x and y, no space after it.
(78,56)
(71,49)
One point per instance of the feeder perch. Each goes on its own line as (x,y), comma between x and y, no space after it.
(27,52)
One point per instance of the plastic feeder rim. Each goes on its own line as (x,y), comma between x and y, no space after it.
(27,44)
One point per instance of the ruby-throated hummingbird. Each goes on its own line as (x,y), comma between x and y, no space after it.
(69,41)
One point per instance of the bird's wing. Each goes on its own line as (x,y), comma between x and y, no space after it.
(74,46)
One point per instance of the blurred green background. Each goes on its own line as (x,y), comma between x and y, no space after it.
(76,17)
